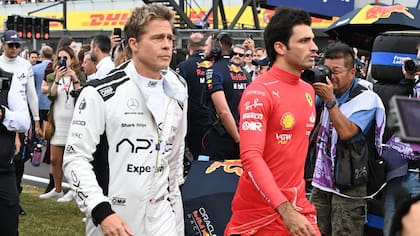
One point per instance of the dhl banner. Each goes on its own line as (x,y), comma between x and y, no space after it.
(108,19)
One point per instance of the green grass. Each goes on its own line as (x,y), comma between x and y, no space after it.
(48,217)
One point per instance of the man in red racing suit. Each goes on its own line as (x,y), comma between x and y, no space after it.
(277,114)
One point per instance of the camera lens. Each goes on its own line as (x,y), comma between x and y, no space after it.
(412,66)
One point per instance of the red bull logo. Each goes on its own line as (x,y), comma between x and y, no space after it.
(235,68)
(204,64)
(229,166)
(377,12)
(372,13)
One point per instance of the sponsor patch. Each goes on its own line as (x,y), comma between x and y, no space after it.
(287,121)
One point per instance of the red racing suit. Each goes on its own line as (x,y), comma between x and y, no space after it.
(277,114)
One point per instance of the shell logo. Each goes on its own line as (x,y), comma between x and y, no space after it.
(287,121)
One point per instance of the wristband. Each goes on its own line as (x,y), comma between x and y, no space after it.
(76,82)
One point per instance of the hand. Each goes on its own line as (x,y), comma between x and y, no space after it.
(38,130)
(249,43)
(296,223)
(324,91)
(115,40)
(59,72)
(18,144)
(71,73)
(410,221)
(113,225)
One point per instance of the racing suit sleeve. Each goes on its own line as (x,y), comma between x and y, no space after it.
(16,113)
(176,172)
(252,143)
(32,96)
(87,125)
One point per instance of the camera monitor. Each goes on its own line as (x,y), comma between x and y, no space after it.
(406,112)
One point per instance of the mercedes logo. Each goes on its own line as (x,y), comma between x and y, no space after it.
(133,104)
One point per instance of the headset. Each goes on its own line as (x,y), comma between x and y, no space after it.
(216,49)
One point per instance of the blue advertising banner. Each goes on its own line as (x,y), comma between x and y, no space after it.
(321,7)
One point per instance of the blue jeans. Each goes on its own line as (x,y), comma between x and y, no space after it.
(397,190)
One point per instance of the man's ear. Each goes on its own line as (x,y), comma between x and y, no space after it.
(133,44)
(280,48)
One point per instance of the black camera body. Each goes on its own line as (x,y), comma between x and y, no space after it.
(75,92)
(412,66)
(317,74)
(5,79)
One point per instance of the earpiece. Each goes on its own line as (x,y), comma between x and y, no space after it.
(216,49)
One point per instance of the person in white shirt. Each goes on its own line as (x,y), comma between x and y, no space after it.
(100,48)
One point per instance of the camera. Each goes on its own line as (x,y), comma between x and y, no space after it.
(412,66)
(75,92)
(317,74)
(5,79)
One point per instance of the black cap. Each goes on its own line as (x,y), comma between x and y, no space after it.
(11,36)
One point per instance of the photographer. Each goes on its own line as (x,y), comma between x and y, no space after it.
(66,78)
(404,182)
(350,111)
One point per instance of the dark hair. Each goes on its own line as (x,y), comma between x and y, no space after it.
(280,27)
(34,51)
(338,50)
(221,43)
(103,42)
(75,63)
(66,41)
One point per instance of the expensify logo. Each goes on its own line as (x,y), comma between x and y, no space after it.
(143,169)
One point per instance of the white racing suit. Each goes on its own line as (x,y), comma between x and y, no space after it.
(118,160)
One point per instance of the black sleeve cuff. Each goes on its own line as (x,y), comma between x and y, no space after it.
(100,212)
(408,82)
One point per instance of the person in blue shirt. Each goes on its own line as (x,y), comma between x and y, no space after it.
(46,54)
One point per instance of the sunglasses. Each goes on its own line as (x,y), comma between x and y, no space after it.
(11,45)
(238,54)
(248,55)
(62,58)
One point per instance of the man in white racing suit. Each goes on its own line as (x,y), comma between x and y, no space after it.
(124,153)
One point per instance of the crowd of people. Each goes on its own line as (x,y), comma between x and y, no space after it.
(119,114)
(26,1)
